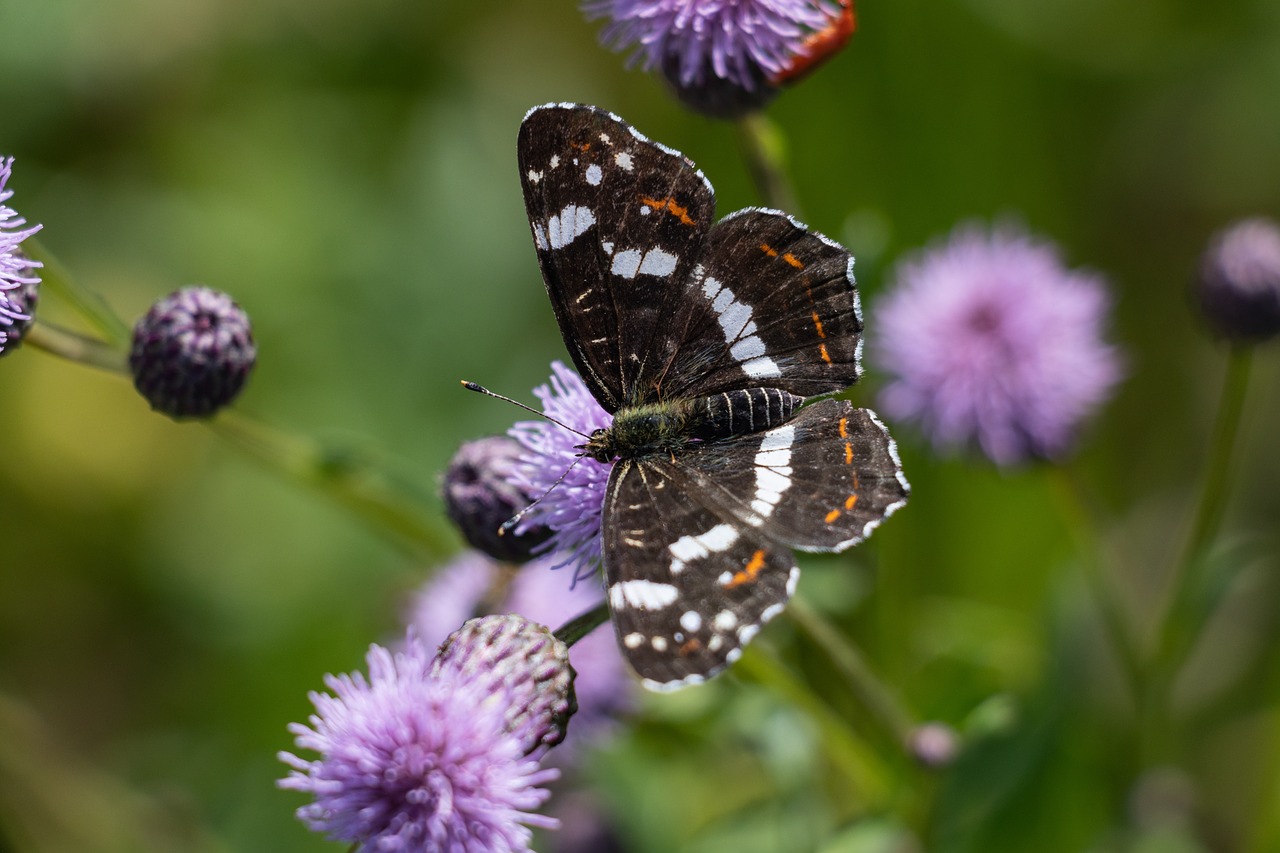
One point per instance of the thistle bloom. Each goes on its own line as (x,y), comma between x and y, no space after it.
(573,509)
(17,286)
(725,57)
(1239,282)
(991,341)
(415,761)
(192,353)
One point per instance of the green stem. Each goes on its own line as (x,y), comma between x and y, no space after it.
(865,770)
(1099,563)
(342,475)
(1189,607)
(764,149)
(581,625)
(77,347)
(873,693)
(55,278)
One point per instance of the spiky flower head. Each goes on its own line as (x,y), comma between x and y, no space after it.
(573,509)
(991,341)
(192,352)
(415,761)
(725,57)
(1239,282)
(17,285)
(481,495)
(525,660)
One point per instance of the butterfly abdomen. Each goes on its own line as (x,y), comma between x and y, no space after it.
(743,411)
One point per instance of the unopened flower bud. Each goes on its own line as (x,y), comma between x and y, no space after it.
(522,659)
(192,353)
(1239,282)
(480,495)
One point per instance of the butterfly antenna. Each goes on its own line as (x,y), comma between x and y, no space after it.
(480,389)
(515,519)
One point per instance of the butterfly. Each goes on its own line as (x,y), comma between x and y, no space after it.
(707,342)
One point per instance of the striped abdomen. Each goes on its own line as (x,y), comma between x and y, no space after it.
(743,411)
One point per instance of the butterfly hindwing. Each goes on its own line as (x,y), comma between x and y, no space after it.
(687,587)
(618,222)
(771,304)
(819,482)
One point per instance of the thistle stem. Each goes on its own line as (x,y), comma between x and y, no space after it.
(764,149)
(582,624)
(55,278)
(874,694)
(344,476)
(1099,564)
(74,346)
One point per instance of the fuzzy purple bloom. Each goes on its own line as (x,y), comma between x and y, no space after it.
(991,341)
(573,509)
(414,762)
(17,285)
(723,57)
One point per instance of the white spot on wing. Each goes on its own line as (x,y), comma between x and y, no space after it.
(626,263)
(689,548)
(658,262)
(691,621)
(623,159)
(724,621)
(633,640)
(643,594)
(594,175)
(568,225)
(534,176)
(540,237)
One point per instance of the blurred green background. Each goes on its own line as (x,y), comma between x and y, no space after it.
(346,170)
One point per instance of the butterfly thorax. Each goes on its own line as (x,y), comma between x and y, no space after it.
(667,428)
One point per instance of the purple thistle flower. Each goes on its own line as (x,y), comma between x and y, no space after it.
(991,340)
(17,286)
(572,510)
(725,57)
(410,761)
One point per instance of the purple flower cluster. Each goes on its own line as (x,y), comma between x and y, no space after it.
(17,285)
(991,340)
(723,57)
(419,756)
(572,510)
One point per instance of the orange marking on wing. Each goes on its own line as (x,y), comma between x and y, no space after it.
(689,647)
(844,427)
(750,573)
(669,205)
(825,355)
(848,453)
(833,515)
(793,260)
(769,250)
(581,146)
(850,501)
(817,324)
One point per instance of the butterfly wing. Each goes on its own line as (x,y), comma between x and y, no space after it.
(618,222)
(687,587)
(822,481)
(771,304)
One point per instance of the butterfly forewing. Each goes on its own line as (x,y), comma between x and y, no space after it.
(618,222)
(687,587)
(820,482)
(772,305)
